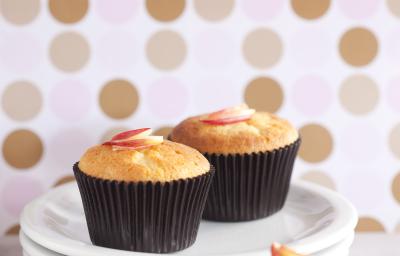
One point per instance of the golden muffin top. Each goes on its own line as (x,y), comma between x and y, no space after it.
(259,132)
(165,161)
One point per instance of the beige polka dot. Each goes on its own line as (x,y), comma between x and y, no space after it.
(112,132)
(316,143)
(264,94)
(19,12)
(165,10)
(22,101)
(22,149)
(368,224)
(163,131)
(394,7)
(214,10)
(69,51)
(68,11)
(394,140)
(359,94)
(319,178)
(63,180)
(166,50)
(358,46)
(119,99)
(13,230)
(262,48)
(310,9)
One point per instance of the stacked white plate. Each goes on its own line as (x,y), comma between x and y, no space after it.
(314,221)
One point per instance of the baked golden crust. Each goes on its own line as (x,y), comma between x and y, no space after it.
(163,162)
(262,132)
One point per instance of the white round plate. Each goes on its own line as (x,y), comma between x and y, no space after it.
(31,248)
(313,218)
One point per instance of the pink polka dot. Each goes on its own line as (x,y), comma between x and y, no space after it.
(19,52)
(392,45)
(167,98)
(369,191)
(312,95)
(262,10)
(70,100)
(393,93)
(310,48)
(17,192)
(216,93)
(117,11)
(361,142)
(67,146)
(117,50)
(214,49)
(359,9)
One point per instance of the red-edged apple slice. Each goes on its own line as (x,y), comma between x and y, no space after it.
(136,143)
(281,250)
(275,249)
(132,134)
(231,113)
(234,117)
(226,120)
(227,111)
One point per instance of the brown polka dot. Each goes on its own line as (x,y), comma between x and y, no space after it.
(163,131)
(316,143)
(63,180)
(111,132)
(319,178)
(20,12)
(396,187)
(166,50)
(13,230)
(119,99)
(165,10)
(359,94)
(394,7)
(310,9)
(69,51)
(264,94)
(262,48)
(214,10)
(22,101)
(368,224)
(22,149)
(394,140)
(68,11)
(358,46)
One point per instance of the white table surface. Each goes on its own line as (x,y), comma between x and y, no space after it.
(365,244)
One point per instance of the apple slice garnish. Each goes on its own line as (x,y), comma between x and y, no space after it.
(229,115)
(134,139)
(281,250)
(132,134)
(228,111)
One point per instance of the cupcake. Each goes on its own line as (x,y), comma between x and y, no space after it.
(253,154)
(143,193)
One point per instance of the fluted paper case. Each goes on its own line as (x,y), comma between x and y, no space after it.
(156,217)
(249,186)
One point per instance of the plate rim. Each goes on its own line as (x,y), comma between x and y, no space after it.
(35,249)
(345,221)
(31,246)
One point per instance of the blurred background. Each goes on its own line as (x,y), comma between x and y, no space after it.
(74,72)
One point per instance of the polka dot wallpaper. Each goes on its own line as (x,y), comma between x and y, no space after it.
(75,72)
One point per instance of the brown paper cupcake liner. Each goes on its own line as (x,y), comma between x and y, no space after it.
(249,186)
(143,216)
